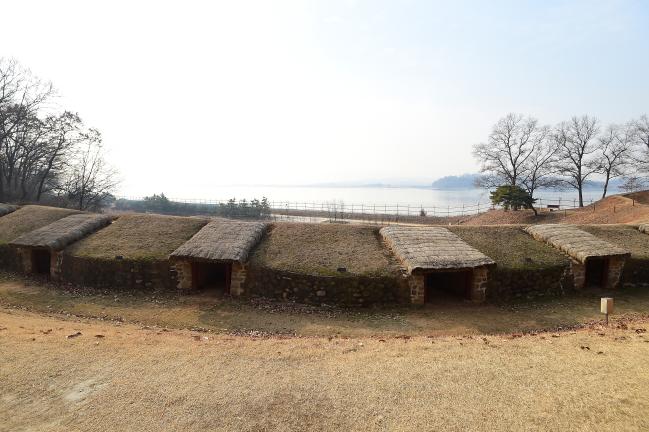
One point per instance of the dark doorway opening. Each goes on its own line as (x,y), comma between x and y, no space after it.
(41,261)
(596,272)
(448,285)
(211,276)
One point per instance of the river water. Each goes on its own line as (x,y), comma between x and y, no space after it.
(378,196)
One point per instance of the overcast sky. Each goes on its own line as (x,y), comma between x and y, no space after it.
(281,92)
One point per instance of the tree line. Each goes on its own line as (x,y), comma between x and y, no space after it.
(523,155)
(47,154)
(233,208)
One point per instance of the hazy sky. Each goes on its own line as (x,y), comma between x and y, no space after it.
(277,92)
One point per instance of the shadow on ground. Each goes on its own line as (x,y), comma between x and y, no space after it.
(218,313)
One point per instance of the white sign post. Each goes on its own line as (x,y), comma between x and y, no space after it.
(606,307)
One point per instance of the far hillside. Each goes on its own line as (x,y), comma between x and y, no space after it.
(616,209)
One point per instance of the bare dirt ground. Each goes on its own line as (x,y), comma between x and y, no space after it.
(83,360)
(123,377)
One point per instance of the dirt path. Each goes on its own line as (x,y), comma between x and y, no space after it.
(145,379)
(263,317)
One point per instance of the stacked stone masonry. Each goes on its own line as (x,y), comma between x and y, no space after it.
(118,274)
(350,290)
(477,290)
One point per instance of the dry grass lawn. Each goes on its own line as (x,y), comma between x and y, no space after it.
(625,236)
(321,249)
(511,247)
(615,209)
(29,218)
(136,378)
(641,197)
(139,237)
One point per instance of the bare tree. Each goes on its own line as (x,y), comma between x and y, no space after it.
(504,156)
(22,95)
(633,184)
(519,153)
(44,153)
(578,158)
(541,166)
(90,180)
(616,146)
(63,133)
(641,136)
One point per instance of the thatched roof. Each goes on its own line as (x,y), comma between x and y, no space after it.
(578,244)
(222,240)
(63,232)
(7,208)
(432,248)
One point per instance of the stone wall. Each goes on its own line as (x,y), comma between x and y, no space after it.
(477,293)
(25,262)
(613,274)
(479,284)
(25,259)
(417,288)
(56,265)
(615,268)
(510,284)
(9,259)
(238,278)
(346,290)
(118,274)
(578,271)
(183,269)
(636,272)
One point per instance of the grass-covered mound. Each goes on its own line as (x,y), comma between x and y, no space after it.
(524,266)
(5,209)
(630,238)
(29,218)
(320,249)
(301,262)
(511,247)
(131,253)
(138,237)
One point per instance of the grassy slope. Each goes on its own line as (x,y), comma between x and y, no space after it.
(624,236)
(320,249)
(138,237)
(641,197)
(615,209)
(29,218)
(511,247)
